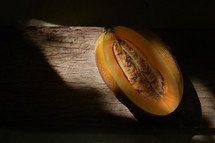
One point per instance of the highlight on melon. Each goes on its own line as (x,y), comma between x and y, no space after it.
(140,70)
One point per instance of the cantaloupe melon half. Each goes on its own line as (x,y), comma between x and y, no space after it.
(147,45)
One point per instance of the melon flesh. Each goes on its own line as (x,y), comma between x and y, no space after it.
(159,57)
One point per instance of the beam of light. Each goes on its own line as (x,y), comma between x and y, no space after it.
(203,139)
(70,53)
(37,22)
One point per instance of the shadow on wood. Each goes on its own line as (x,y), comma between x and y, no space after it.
(32,93)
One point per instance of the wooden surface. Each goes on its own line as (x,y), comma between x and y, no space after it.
(48,76)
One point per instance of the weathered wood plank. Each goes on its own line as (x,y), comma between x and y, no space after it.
(49,76)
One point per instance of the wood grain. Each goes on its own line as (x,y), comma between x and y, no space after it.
(49,77)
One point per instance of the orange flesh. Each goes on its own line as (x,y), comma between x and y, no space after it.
(159,46)
(102,66)
(114,77)
(172,97)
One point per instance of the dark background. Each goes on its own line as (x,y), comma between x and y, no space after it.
(150,13)
(153,14)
